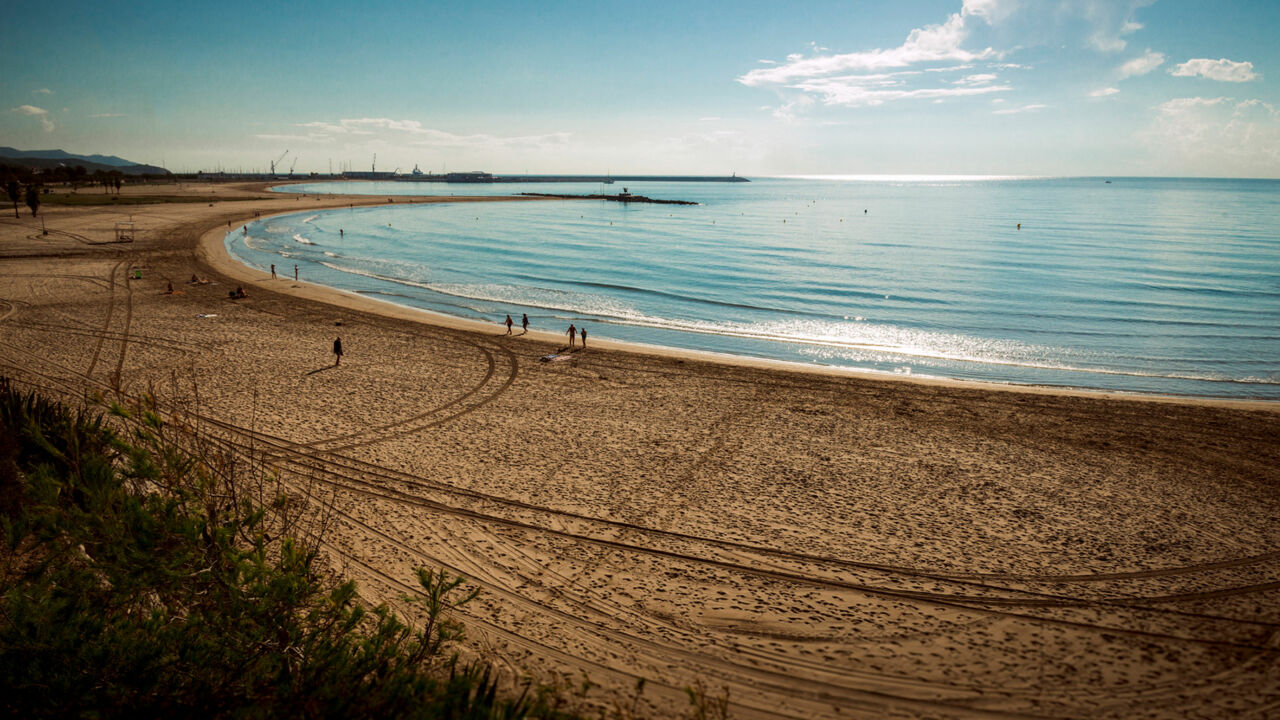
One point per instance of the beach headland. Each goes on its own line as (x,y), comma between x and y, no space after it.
(822,545)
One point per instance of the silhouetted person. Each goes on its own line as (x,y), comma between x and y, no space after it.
(295,273)
(273,271)
(573,335)
(337,352)
(583,331)
(509,324)
(524,322)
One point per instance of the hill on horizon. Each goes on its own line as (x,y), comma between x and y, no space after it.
(54,158)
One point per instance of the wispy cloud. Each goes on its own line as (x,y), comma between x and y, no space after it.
(1216,134)
(42,91)
(976,79)
(34,111)
(1104,92)
(1018,110)
(1142,65)
(1111,20)
(852,92)
(108,115)
(1222,70)
(933,43)
(412,132)
(878,76)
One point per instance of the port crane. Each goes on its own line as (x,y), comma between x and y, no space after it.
(277,161)
(294,165)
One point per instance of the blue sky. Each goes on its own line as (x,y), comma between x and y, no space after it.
(1044,87)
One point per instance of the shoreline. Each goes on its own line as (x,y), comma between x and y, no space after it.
(212,249)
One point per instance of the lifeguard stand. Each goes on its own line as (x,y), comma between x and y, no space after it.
(124,232)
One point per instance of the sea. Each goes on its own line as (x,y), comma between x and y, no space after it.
(1140,285)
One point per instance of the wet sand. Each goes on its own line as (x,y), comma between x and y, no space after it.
(822,545)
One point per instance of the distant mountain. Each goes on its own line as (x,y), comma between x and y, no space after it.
(54,158)
(64,155)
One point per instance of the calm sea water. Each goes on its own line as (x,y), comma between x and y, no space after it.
(1143,285)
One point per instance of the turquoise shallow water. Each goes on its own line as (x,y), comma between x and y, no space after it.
(1143,285)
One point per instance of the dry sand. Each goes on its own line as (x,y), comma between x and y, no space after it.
(822,546)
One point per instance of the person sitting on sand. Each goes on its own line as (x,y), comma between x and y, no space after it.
(170,291)
(194,279)
(238,293)
(573,334)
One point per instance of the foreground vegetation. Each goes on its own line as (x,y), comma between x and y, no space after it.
(143,577)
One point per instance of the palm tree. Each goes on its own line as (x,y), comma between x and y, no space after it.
(15,194)
(33,199)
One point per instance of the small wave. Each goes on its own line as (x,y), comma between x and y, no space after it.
(298,238)
(1045,365)
(331,254)
(309,218)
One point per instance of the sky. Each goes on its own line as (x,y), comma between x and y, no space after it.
(753,87)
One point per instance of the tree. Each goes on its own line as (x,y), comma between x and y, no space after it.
(118,177)
(78,175)
(33,199)
(15,194)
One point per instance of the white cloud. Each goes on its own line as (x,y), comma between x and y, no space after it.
(286,137)
(1110,20)
(42,91)
(1104,92)
(934,43)
(978,79)
(413,133)
(1015,111)
(791,109)
(1222,69)
(852,92)
(1142,65)
(993,11)
(34,111)
(1177,106)
(108,115)
(1216,136)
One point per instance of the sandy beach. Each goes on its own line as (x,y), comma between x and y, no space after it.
(819,544)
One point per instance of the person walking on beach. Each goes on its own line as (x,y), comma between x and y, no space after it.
(295,273)
(509,324)
(337,352)
(273,271)
(524,322)
(573,335)
(584,336)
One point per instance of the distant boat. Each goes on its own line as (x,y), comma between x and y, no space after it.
(1107,182)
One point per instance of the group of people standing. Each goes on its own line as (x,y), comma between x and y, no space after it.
(573,332)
